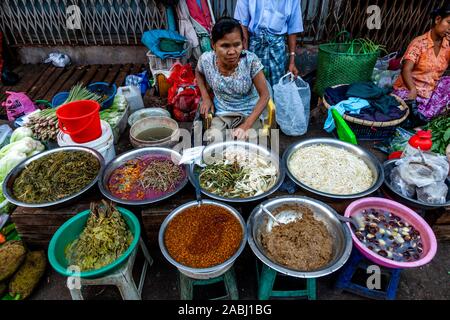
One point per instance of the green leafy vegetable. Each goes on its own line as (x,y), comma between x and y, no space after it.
(21,133)
(440,129)
(105,238)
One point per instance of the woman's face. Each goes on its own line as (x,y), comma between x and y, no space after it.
(442,27)
(229,48)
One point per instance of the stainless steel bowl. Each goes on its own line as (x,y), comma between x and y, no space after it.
(388,167)
(218,148)
(342,240)
(11,177)
(204,273)
(122,159)
(147,112)
(371,161)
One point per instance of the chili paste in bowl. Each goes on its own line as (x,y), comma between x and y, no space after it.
(203,240)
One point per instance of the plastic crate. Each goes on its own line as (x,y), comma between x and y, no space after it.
(158,66)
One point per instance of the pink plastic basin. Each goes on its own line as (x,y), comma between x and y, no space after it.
(408,215)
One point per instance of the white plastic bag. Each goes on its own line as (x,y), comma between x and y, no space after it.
(59,60)
(292,99)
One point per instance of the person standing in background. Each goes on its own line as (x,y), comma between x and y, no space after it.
(265,24)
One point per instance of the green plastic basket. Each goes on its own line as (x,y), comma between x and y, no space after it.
(71,230)
(337,65)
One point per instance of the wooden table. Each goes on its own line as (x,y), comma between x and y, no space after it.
(37,226)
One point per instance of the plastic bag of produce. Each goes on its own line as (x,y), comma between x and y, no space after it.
(399,185)
(292,98)
(17,105)
(397,142)
(414,171)
(385,78)
(435,193)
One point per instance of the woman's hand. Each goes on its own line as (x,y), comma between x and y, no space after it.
(241,132)
(293,69)
(206,107)
(412,94)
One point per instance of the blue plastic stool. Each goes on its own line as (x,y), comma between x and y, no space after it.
(357,261)
(266,281)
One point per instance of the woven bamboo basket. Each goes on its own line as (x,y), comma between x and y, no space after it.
(373,130)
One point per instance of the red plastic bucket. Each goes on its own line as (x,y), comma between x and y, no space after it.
(80,120)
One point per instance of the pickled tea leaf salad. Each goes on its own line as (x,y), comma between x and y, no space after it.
(239,174)
(105,238)
(331,170)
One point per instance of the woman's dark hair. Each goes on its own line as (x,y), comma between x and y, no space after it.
(443,12)
(225,26)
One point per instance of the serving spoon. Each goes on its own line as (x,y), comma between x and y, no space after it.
(264,209)
(349,220)
(284,217)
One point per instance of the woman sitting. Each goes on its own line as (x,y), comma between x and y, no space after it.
(236,79)
(424,63)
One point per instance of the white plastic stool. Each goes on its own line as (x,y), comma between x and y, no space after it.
(121,278)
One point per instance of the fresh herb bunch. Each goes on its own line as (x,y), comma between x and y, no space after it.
(440,129)
(79,92)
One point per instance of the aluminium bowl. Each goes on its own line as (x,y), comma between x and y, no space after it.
(122,159)
(9,180)
(410,202)
(370,160)
(147,112)
(211,150)
(342,240)
(202,273)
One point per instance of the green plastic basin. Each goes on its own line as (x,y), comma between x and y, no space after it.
(71,230)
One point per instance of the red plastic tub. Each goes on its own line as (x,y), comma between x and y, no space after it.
(80,120)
